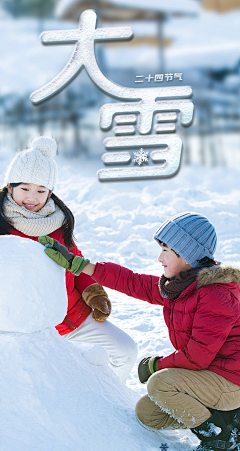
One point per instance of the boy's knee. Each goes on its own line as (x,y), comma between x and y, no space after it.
(146,411)
(152,416)
(142,408)
(159,382)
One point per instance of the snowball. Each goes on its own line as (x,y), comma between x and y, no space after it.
(33,290)
(97,355)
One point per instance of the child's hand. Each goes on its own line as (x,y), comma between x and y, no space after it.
(97,298)
(147,367)
(60,254)
(99,316)
(101,308)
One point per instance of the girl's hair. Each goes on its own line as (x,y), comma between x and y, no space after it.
(68,225)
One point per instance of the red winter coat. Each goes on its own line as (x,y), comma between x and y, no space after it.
(203,323)
(77,309)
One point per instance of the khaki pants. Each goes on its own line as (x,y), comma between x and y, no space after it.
(179,398)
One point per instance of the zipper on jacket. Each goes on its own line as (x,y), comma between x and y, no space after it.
(70,324)
(173,305)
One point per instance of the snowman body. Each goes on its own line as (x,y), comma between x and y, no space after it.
(52,398)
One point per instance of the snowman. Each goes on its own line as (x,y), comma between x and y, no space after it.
(54,395)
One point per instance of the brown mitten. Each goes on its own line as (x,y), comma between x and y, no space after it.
(96,297)
(102,308)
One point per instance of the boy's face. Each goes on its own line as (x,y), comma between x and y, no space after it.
(30,196)
(172,263)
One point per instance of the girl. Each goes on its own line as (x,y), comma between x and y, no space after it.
(29,208)
(198,385)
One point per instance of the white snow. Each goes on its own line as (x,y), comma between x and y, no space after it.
(26,303)
(187,7)
(116,222)
(52,397)
(211,431)
(210,40)
(25,63)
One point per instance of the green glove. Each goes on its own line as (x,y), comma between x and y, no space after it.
(147,367)
(61,255)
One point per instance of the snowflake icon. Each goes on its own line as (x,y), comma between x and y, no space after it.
(140,157)
(164,447)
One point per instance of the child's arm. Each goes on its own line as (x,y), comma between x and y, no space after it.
(119,278)
(89,269)
(140,286)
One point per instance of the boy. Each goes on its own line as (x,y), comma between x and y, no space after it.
(198,385)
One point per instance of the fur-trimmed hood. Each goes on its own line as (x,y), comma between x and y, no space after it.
(225,273)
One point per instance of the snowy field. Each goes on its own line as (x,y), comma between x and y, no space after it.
(116,222)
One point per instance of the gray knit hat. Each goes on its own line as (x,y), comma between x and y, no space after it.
(190,235)
(35,165)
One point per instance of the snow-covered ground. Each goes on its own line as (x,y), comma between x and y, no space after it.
(116,221)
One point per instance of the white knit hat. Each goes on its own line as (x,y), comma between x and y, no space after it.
(35,165)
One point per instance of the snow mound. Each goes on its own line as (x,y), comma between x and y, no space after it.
(53,397)
(33,290)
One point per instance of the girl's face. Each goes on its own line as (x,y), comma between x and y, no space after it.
(172,264)
(30,196)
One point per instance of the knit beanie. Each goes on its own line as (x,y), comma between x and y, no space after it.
(190,235)
(35,165)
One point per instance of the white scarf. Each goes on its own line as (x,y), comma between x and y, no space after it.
(33,223)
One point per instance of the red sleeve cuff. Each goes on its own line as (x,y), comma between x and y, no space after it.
(83,281)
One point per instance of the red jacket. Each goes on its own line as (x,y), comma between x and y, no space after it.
(203,323)
(77,309)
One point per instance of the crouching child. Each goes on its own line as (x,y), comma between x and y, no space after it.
(198,385)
